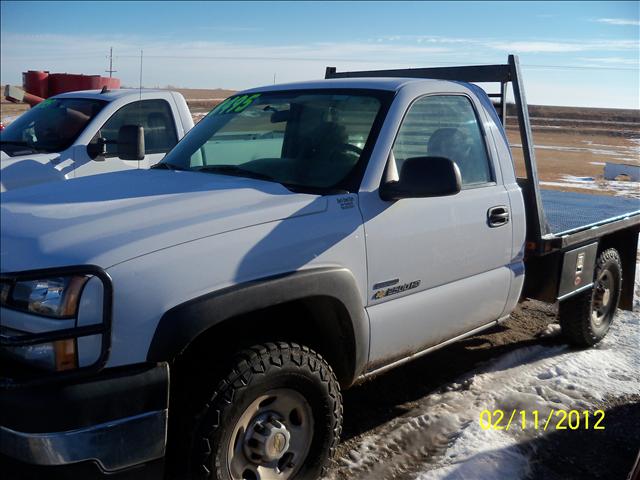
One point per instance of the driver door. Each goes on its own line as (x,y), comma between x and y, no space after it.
(160,136)
(437,268)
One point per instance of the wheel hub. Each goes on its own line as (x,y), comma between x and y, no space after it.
(267,439)
(601,299)
(272,437)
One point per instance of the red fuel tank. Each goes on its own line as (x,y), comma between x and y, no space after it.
(68,82)
(45,84)
(36,83)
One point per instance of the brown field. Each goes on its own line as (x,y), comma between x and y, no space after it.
(570,142)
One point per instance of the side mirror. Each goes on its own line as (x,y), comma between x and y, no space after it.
(131,142)
(424,177)
(97,150)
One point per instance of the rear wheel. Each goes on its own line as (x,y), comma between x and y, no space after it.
(276,415)
(586,317)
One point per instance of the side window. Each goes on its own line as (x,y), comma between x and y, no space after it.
(445,126)
(155,117)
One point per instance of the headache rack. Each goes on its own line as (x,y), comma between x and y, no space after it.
(537,226)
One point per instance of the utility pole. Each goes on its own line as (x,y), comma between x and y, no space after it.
(111,70)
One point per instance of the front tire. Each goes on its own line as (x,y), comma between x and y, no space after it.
(586,317)
(276,414)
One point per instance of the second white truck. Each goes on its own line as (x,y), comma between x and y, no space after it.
(83,133)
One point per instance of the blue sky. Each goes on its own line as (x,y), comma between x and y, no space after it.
(573,53)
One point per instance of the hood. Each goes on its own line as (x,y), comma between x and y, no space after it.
(110,218)
(25,170)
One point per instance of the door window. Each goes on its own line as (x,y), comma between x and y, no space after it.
(156,118)
(445,126)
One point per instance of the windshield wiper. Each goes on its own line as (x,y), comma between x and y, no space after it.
(237,171)
(19,143)
(241,172)
(14,142)
(167,166)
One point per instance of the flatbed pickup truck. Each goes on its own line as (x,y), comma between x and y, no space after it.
(88,132)
(301,238)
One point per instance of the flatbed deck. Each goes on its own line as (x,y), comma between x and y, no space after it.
(569,212)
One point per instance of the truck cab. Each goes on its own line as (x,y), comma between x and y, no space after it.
(75,134)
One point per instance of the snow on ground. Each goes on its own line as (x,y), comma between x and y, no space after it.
(620,187)
(622,153)
(441,436)
(197,116)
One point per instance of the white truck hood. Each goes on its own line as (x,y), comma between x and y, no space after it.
(110,218)
(25,170)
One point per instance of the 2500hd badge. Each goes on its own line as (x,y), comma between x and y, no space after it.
(392,291)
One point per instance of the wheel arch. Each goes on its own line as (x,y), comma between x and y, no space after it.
(335,322)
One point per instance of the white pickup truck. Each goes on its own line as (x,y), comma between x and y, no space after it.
(301,238)
(83,133)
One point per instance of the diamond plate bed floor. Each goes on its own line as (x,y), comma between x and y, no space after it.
(569,211)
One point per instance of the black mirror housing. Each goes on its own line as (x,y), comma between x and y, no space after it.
(281,116)
(97,150)
(131,142)
(424,177)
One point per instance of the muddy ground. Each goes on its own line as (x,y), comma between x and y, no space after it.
(579,455)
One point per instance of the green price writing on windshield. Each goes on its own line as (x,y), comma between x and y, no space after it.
(234,104)
(49,102)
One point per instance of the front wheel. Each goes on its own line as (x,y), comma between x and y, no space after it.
(276,415)
(586,317)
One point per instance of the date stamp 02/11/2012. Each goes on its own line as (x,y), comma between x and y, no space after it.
(557,419)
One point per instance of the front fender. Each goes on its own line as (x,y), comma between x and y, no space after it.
(173,335)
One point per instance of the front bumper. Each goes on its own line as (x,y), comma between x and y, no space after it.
(116,419)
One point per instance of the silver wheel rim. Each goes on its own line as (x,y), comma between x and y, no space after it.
(602,299)
(271,439)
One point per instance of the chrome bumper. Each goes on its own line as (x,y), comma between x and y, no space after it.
(113,445)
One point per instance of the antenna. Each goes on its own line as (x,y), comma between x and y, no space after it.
(111,71)
(141,74)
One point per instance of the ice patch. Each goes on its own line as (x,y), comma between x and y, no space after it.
(481,455)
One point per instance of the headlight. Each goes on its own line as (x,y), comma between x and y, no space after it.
(55,297)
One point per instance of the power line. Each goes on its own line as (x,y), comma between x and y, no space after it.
(111,70)
(306,59)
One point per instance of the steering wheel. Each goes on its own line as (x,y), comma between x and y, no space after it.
(347,147)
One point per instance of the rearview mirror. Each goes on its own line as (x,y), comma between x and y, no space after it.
(424,177)
(131,142)
(281,116)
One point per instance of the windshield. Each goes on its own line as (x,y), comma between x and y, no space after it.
(51,126)
(313,139)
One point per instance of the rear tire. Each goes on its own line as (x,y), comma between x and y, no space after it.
(586,317)
(277,412)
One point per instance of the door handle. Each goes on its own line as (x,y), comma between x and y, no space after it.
(498,216)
